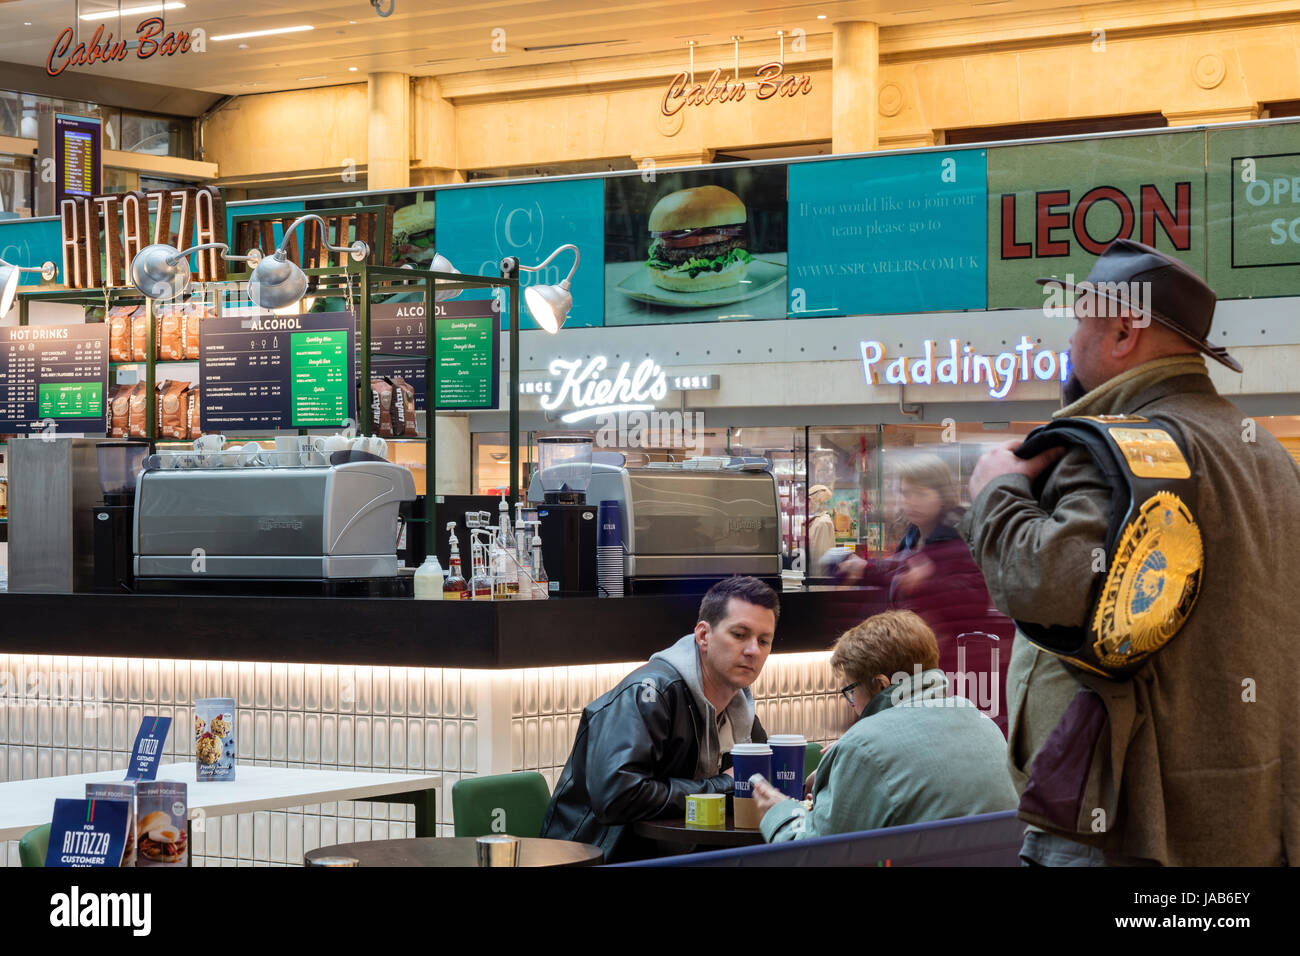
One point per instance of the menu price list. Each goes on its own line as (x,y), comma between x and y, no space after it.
(55,373)
(267,371)
(466,346)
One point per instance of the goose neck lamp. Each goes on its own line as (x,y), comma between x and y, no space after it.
(9,276)
(277,283)
(161,271)
(549,305)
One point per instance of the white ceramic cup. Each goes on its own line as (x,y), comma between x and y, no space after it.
(286,451)
(250,454)
(311,450)
(336,443)
(208,449)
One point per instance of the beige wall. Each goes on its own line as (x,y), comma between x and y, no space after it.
(932,77)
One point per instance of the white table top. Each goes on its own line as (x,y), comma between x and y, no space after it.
(25,804)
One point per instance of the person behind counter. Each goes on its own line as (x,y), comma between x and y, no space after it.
(665,731)
(915,754)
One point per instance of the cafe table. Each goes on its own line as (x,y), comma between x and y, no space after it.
(674,830)
(25,804)
(458,851)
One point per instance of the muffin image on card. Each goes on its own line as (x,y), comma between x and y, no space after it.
(214,739)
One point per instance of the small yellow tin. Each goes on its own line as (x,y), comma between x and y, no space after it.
(706,810)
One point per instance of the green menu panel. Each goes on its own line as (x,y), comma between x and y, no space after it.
(79,400)
(466,371)
(319,366)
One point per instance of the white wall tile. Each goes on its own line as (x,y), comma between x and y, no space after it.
(415,744)
(280,735)
(379,691)
(347,741)
(363,692)
(451,744)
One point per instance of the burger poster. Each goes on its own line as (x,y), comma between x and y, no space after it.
(698,246)
(888,234)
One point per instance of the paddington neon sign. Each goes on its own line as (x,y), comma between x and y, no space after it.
(103,49)
(963,366)
(591,395)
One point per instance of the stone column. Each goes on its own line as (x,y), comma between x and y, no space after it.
(389,139)
(855,61)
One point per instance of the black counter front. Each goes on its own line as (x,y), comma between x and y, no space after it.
(395,631)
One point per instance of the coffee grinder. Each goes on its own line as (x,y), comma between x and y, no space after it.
(567,523)
(119,469)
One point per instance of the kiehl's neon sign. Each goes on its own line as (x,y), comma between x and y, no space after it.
(772,81)
(103,49)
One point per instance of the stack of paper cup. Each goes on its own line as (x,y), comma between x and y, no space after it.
(609,550)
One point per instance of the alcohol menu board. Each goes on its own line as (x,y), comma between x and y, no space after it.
(53,375)
(277,371)
(467,349)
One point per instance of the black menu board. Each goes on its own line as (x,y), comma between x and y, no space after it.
(277,371)
(53,375)
(466,344)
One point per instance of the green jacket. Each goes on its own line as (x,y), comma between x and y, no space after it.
(1198,761)
(915,755)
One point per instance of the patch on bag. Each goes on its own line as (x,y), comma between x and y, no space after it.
(1150,452)
(1152,585)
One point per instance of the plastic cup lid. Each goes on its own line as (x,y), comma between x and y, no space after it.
(750,750)
(786,740)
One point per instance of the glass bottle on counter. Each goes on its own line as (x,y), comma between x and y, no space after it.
(480,585)
(455,587)
(505,577)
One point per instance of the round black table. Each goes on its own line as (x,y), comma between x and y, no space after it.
(459,851)
(675,830)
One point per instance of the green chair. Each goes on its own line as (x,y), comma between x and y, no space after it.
(812,757)
(513,803)
(32,846)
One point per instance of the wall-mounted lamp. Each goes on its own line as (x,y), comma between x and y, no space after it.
(161,271)
(9,276)
(549,305)
(277,283)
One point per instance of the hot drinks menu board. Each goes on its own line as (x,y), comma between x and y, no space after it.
(466,345)
(53,377)
(277,371)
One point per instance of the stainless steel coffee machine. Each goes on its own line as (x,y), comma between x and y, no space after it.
(239,526)
(690,524)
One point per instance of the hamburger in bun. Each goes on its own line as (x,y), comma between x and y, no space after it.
(413,234)
(158,840)
(697,240)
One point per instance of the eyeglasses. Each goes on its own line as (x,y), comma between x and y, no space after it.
(848,691)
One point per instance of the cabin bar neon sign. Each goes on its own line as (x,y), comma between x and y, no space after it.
(103,49)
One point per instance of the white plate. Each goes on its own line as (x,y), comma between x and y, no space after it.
(759,278)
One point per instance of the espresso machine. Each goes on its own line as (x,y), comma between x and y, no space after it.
(566,523)
(119,464)
(239,526)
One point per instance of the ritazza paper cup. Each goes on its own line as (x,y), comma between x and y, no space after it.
(747,760)
(788,752)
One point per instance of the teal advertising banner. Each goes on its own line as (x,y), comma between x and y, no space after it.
(29,242)
(888,234)
(479,226)
(1253,211)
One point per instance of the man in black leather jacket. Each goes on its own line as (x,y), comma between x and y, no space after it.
(663,733)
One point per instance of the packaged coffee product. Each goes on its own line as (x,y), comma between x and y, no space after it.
(173,410)
(192,430)
(137,425)
(404,402)
(140,335)
(119,332)
(116,410)
(381,406)
(195,313)
(162,809)
(169,333)
(214,738)
(118,791)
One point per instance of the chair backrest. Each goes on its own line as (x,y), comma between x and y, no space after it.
(513,803)
(32,846)
(812,757)
(987,839)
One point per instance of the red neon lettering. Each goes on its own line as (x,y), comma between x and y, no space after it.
(1048,220)
(154,25)
(1176,224)
(1099,194)
(59,49)
(1010,248)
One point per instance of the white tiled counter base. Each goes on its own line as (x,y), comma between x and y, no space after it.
(64,715)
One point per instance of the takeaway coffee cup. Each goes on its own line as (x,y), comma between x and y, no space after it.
(787,763)
(747,760)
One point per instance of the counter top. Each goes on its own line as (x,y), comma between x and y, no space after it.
(395,632)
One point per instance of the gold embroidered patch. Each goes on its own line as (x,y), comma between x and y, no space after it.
(1150,452)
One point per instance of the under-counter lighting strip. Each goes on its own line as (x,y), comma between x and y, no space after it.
(263,33)
(132,11)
